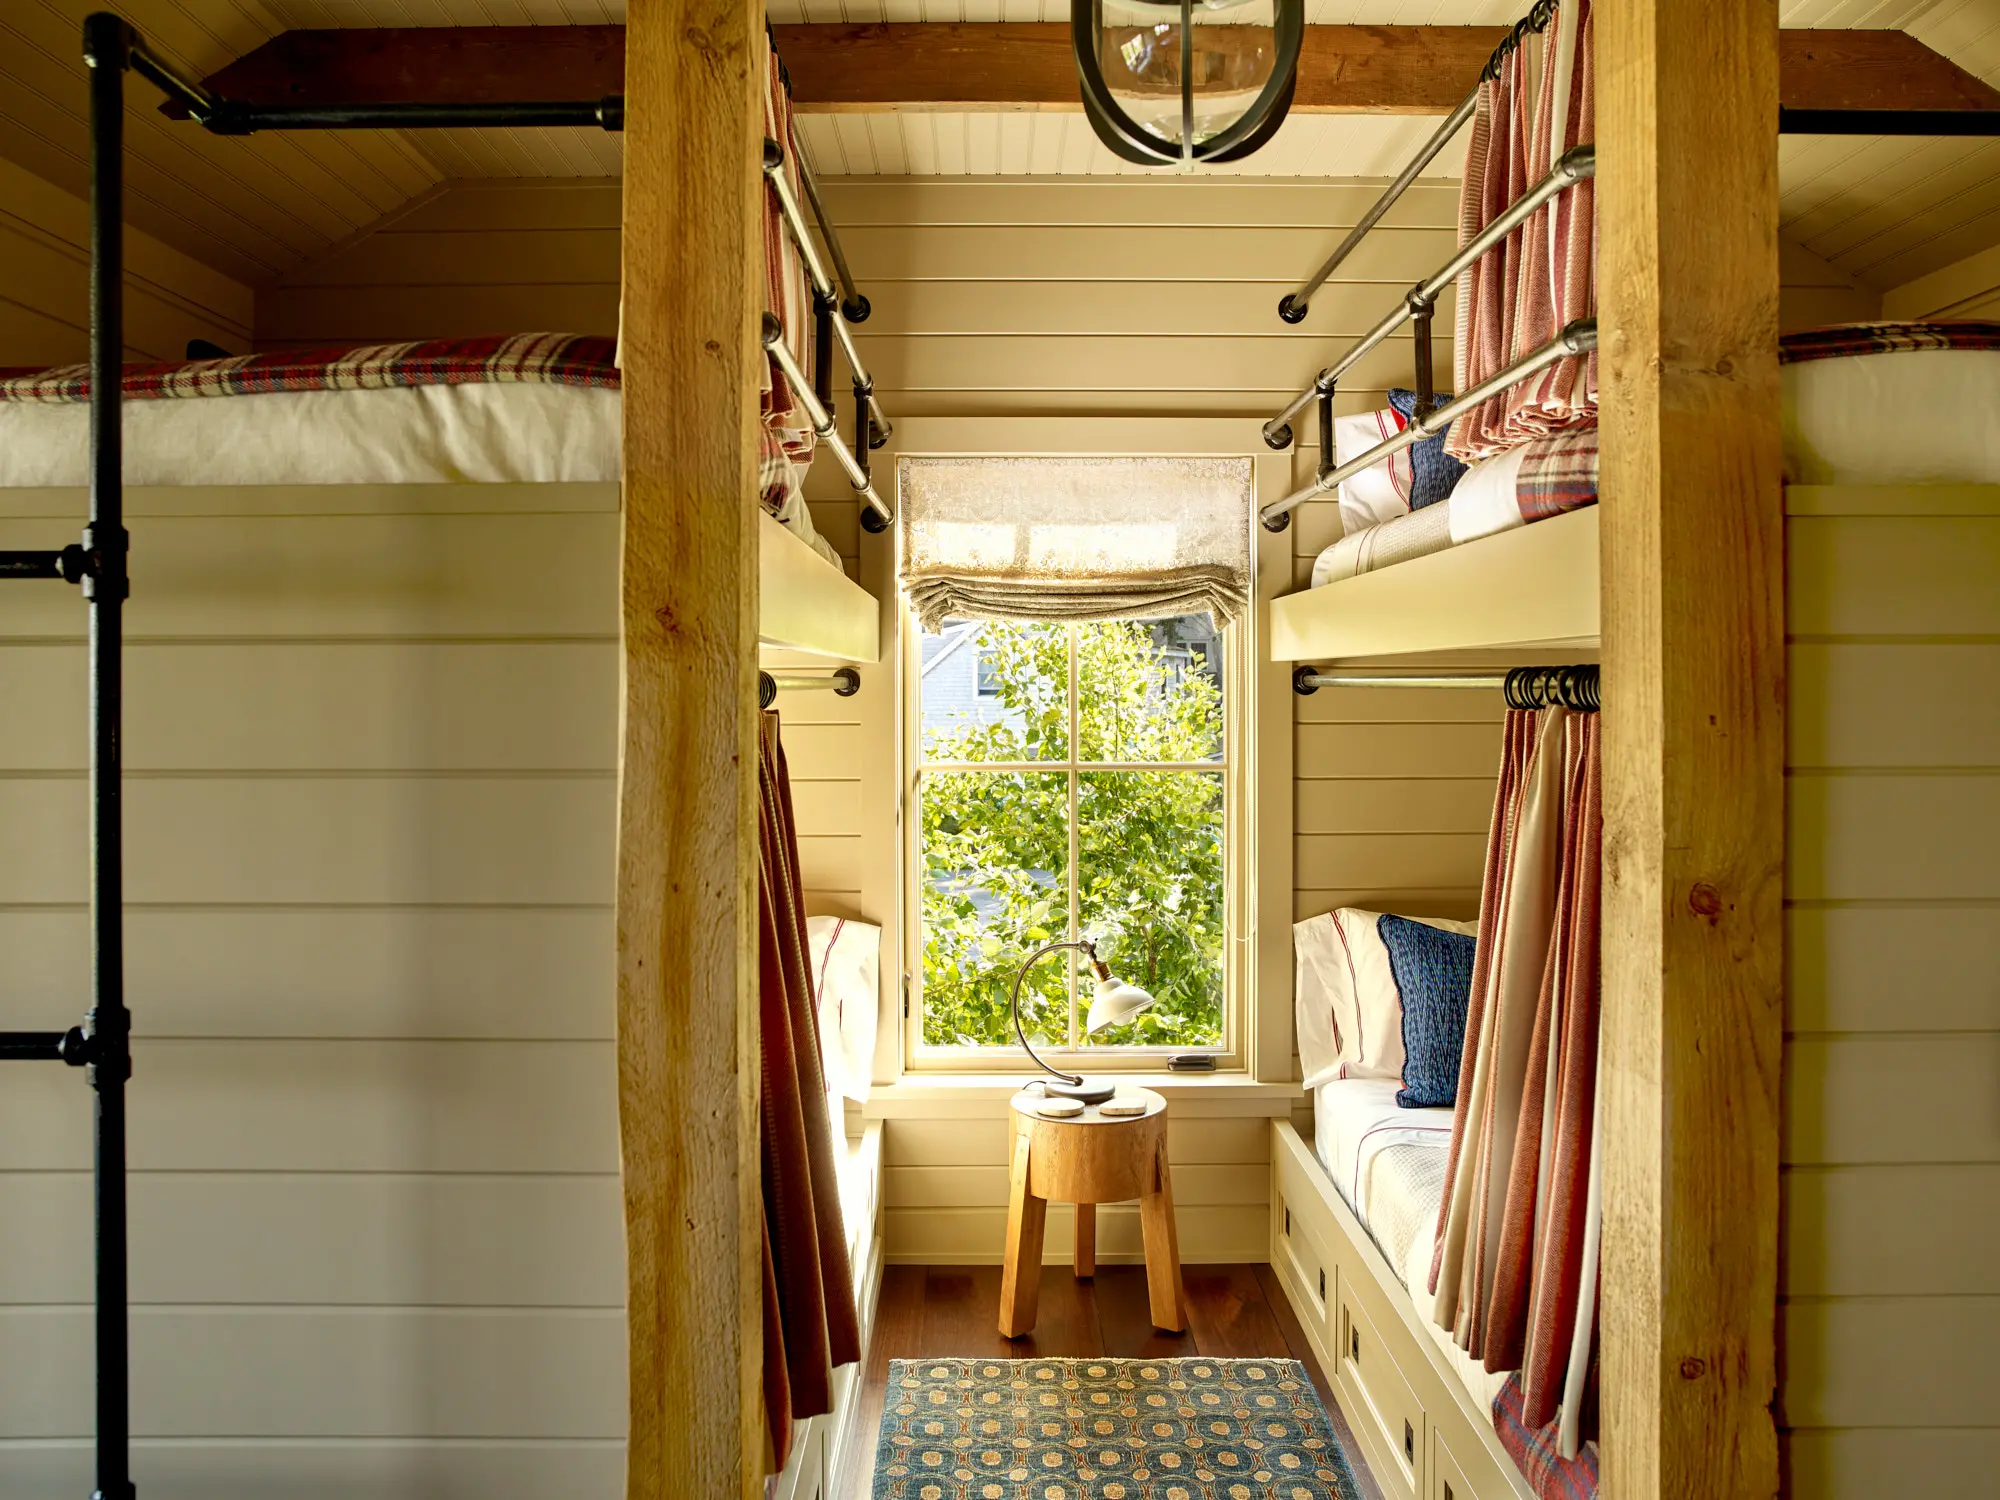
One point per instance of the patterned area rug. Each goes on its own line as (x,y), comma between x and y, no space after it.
(1107,1429)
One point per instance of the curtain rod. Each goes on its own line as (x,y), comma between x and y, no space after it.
(843,682)
(1573,687)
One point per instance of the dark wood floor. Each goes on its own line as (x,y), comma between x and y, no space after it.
(1234,1312)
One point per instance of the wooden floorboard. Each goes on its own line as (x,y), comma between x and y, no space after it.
(1234,1312)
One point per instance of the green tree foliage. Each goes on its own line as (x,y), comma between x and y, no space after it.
(1149,843)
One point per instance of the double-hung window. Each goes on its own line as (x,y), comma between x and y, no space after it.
(1072,780)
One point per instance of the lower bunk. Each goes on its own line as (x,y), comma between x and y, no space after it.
(1424,1415)
(821,1445)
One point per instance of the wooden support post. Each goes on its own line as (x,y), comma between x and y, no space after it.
(1693,631)
(687,827)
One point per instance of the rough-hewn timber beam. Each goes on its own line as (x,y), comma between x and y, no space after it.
(1399,70)
(1693,584)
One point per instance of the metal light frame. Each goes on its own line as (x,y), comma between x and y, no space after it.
(1127,138)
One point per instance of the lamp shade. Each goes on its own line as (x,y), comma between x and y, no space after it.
(1115,1003)
(1187,81)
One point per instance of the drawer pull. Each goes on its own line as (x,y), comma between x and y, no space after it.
(1410,1443)
(1353,1342)
(1322,1283)
(1288,1221)
(1447,1490)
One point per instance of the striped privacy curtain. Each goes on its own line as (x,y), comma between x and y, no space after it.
(1515,1268)
(809,1320)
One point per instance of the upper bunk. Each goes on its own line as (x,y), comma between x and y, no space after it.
(1464,529)
(532,409)
(401,420)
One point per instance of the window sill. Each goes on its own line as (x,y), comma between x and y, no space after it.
(985,1095)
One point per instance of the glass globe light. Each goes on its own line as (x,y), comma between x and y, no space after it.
(1167,81)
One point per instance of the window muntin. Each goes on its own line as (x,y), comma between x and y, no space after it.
(1020,844)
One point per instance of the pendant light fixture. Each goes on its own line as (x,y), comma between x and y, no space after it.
(1186,81)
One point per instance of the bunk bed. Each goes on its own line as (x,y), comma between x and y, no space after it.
(1878,420)
(524,426)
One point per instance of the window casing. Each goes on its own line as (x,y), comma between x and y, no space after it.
(1112,807)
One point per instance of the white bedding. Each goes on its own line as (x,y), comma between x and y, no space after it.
(520,432)
(525,432)
(1376,1154)
(1356,1121)
(1917,416)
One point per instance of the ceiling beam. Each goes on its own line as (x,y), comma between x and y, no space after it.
(846,69)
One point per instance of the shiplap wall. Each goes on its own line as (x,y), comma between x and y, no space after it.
(1890,1289)
(376,1228)
(1969,288)
(45,291)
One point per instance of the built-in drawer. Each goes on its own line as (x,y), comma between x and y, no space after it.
(1304,1257)
(1448,1481)
(1383,1398)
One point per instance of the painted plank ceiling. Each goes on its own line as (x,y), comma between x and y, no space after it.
(1882,210)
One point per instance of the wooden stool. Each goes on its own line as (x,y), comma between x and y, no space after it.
(1088,1159)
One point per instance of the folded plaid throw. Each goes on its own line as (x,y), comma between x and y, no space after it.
(1558,473)
(1534,1451)
(1846,340)
(539,358)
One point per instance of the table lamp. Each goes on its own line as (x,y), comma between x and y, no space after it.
(1115,1003)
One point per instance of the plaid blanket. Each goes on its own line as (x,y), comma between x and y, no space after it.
(1534,1451)
(1846,340)
(543,358)
(1558,473)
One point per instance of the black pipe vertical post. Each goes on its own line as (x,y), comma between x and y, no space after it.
(1328,461)
(823,347)
(107,48)
(1426,401)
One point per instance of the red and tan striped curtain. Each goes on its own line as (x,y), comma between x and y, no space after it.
(1515,1268)
(1519,295)
(809,1320)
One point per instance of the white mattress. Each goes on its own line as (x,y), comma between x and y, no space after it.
(482,433)
(1388,1163)
(524,432)
(1917,416)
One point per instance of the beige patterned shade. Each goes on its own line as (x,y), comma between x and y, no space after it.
(1075,538)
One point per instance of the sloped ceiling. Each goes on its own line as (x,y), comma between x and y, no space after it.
(1883,210)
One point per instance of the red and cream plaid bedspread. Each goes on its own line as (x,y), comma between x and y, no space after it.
(1846,340)
(545,358)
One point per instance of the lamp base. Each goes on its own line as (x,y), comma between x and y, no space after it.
(1090,1091)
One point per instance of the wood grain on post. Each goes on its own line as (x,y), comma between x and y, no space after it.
(687,827)
(1694,656)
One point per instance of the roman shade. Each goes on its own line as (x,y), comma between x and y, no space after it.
(1075,538)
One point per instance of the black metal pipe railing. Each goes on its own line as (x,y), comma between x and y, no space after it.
(816,273)
(1889,121)
(1293,306)
(875,515)
(1578,164)
(1579,337)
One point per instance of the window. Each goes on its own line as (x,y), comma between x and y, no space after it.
(1072,781)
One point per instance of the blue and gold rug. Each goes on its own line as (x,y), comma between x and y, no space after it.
(1107,1429)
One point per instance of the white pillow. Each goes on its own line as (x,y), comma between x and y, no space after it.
(1350,1013)
(845,960)
(1380,492)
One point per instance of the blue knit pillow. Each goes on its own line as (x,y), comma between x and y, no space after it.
(1433,970)
(1433,472)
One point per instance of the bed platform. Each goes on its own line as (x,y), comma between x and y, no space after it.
(1529,590)
(1425,1435)
(805,605)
